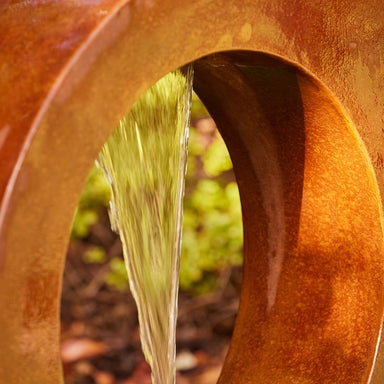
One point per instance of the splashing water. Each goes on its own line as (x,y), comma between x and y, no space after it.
(145,161)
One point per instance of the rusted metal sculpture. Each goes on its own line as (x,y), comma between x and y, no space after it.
(296,89)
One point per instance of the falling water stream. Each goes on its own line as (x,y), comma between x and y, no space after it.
(144,162)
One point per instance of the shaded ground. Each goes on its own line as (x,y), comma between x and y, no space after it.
(100,336)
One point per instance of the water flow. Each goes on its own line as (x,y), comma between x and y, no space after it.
(145,161)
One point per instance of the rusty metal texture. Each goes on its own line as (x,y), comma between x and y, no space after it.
(296,90)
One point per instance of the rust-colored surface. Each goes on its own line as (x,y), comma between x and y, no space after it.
(304,172)
(302,118)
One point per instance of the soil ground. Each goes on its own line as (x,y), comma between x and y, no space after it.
(100,334)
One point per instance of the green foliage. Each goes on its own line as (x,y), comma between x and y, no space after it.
(212,227)
(216,159)
(96,194)
(117,276)
(212,232)
(95,254)
(197,108)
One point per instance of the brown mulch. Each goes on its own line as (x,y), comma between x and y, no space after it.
(100,335)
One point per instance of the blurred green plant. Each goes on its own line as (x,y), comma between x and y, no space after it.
(95,254)
(212,226)
(94,197)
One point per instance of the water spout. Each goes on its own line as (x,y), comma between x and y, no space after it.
(145,162)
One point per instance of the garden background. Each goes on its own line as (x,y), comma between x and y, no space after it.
(100,336)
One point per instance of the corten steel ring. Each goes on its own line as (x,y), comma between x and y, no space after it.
(297,91)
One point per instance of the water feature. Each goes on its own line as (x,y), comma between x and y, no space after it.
(145,161)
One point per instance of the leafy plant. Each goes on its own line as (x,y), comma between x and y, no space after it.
(95,196)
(212,226)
